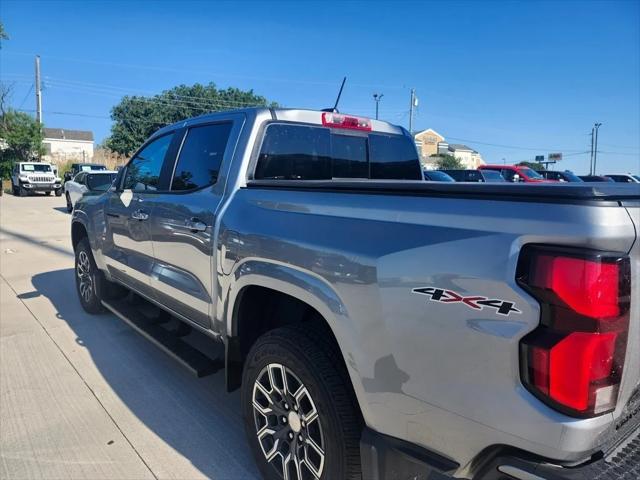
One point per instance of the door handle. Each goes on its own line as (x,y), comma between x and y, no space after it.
(140,215)
(196,225)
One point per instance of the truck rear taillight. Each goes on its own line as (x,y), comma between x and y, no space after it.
(337,120)
(573,361)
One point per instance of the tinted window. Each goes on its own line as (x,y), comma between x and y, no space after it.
(298,152)
(143,172)
(457,175)
(100,181)
(349,156)
(79,178)
(393,157)
(508,174)
(294,152)
(437,176)
(492,176)
(530,173)
(201,156)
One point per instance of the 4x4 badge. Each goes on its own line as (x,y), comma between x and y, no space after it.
(476,302)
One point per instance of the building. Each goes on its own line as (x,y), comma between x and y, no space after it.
(429,142)
(467,155)
(63,145)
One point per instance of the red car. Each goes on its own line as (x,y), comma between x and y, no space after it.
(524,174)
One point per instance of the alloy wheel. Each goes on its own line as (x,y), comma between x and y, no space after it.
(287,424)
(83,270)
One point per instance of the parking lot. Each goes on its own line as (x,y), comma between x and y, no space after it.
(85,396)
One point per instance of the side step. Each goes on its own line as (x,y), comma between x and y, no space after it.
(188,356)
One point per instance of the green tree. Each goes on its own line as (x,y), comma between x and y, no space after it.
(20,140)
(532,165)
(3,34)
(448,162)
(137,117)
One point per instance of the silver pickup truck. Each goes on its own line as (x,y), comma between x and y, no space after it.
(379,326)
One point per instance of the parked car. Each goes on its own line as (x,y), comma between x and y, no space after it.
(378,326)
(516,173)
(87,183)
(595,178)
(437,176)
(475,175)
(28,177)
(83,167)
(623,178)
(559,176)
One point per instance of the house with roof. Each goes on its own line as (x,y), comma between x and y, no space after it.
(430,143)
(62,145)
(470,158)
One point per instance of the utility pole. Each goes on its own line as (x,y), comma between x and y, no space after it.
(595,147)
(38,92)
(591,157)
(414,103)
(376,98)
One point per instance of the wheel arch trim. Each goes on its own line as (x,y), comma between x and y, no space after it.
(310,289)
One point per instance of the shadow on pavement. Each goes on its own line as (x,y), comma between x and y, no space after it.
(35,241)
(195,417)
(61,209)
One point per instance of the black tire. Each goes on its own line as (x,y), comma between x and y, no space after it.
(59,192)
(15,190)
(69,204)
(95,287)
(22,192)
(307,357)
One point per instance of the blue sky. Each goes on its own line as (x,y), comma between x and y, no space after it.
(511,79)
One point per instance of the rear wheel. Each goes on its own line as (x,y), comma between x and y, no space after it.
(69,204)
(300,414)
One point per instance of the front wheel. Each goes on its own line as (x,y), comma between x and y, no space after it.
(91,284)
(300,414)
(22,192)
(59,192)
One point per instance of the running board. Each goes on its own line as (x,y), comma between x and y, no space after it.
(189,357)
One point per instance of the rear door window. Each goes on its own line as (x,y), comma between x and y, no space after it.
(201,156)
(294,152)
(301,152)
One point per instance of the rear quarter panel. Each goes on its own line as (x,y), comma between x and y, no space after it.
(444,376)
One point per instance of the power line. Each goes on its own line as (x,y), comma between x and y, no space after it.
(25,97)
(202,72)
(537,149)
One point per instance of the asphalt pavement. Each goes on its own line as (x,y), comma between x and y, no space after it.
(85,396)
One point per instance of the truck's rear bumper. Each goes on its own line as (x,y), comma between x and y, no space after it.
(621,464)
(387,458)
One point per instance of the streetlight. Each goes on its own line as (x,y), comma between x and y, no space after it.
(596,126)
(376,98)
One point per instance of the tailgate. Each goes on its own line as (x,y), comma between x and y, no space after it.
(627,415)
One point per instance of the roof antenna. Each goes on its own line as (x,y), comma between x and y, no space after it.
(335,107)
